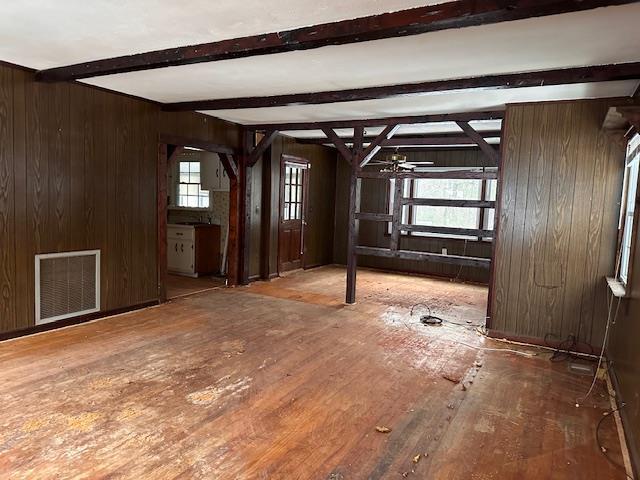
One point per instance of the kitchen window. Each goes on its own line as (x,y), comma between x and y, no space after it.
(451,217)
(190,193)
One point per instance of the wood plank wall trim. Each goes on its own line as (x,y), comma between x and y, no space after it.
(558,204)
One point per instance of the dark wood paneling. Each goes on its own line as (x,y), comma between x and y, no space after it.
(7,201)
(78,171)
(558,228)
(375,234)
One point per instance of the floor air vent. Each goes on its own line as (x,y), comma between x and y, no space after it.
(67,285)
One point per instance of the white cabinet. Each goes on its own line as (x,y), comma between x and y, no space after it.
(180,249)
(221,179)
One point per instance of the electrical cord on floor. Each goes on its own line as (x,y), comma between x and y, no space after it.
(604,347)
(604,449)
(430,319)
(565,349)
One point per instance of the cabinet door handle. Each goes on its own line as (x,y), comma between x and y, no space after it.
(176,247)
(182,247)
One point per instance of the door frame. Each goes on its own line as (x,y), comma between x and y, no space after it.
(284,159)
(169,147)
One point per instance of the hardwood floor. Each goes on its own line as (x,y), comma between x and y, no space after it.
(281,380)
(179,285)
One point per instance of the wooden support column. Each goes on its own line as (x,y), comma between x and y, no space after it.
(354,208)
(246,172)
(251,153)
(398,193)
(235,202)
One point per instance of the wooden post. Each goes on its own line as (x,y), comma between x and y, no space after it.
(354,208)
(161,200)
(398,193)
(246,178)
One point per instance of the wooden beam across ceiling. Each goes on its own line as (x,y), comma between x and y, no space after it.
(563,76)
(378,122)
(488,150)
(450,15)
(445,138)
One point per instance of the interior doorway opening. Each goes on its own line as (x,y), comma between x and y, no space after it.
(197,183)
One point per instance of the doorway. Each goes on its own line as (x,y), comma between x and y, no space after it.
(294,184)
(197,208)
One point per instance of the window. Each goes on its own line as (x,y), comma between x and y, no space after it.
(190,193)
(629,193)
(292,201)
(451,217)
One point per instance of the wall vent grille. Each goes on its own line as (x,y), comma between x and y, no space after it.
(67,285)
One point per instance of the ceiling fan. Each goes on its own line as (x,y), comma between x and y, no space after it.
(397,162)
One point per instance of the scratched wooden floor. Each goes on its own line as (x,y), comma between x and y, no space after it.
(280,380)
(179,285)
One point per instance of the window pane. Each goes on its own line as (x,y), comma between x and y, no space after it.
(194,178)
(285,213)
(182,201)
(454,217)
(184,167)
(182,189)
(627,236)
(184,178)
(194,167)
(192,201)
(192,189)
(462,189)
(490,192)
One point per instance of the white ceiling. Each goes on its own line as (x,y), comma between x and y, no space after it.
(48,33)
(43,34)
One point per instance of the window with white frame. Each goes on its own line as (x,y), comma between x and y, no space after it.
(627,212)
(190,193)
(451,217)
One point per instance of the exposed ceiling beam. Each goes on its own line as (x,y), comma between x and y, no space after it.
(488,150)
(261,147)
(332,136)
(378,122)
(417,139)
(458,14)
(563,76)
(376,144)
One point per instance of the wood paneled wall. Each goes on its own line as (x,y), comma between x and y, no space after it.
(321,200)
(374,200)
(78,171)
(559,206)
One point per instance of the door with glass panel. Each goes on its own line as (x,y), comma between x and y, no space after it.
(294,179)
